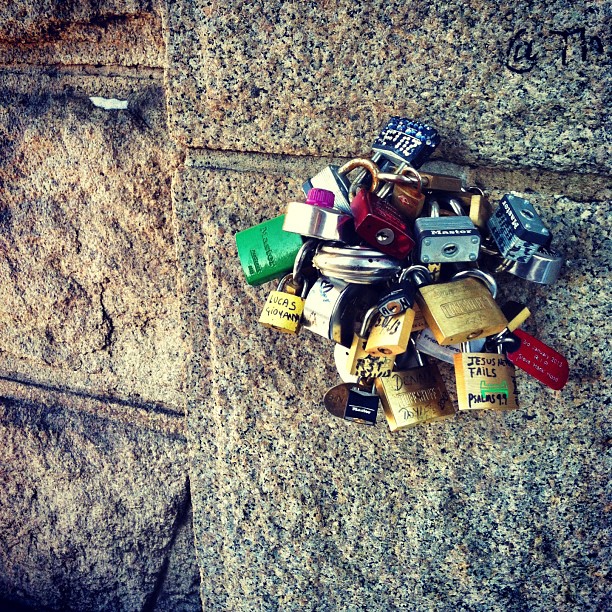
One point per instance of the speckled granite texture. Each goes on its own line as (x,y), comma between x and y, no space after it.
(506,83)
(297,510)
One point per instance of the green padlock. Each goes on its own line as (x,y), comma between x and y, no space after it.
(266,251)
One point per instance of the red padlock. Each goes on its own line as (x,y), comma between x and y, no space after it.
(379,223)
(539,360)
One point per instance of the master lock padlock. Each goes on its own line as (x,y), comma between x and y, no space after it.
(446,239)
(517,229)
(463,309)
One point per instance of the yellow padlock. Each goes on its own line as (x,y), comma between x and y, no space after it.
(462,310)
(360,363)
(480,208)
(283,310)
(390,335)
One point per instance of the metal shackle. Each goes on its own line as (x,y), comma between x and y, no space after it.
(399,178)
(290,279)
(305,253)
(485,277)
(420,275)
(361,162)
(355,264)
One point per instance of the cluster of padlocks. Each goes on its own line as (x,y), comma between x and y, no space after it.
(394,264)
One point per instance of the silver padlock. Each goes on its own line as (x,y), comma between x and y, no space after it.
(446,239)
(543,268)
(333,307)
(355,264)
(517,229)
(319,222)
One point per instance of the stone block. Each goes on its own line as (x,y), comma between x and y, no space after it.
(297,510)
(91,511)
(505,83)
(88,261)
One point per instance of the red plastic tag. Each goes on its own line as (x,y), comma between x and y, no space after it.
(540,361)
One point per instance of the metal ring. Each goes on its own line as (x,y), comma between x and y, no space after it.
(362,162)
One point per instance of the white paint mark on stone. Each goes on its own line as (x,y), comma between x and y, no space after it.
(109,103)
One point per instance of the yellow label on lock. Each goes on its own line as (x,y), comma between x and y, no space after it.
(485,381)
(390,335)
(362,364)
(282,312)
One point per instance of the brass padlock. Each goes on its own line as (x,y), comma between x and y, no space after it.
(462,309)
(390,335)
(485,381)
(415,396)
(480,208)
(360,363)
(407,194)
(283,310)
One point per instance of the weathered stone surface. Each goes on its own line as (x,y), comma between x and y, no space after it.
(90,510)
(296,510)
(180,590)
(88,261)
(506,84)
(114,41)
(23,21)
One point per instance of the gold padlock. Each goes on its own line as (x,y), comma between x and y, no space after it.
(415,396)
(390,335)
(406,193)
(283,310)
(462,309)
(360,363)
(485,381)
(480,208)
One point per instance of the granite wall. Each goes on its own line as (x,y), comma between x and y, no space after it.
(124,305)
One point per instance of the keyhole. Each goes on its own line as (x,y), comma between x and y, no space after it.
(385,236)
(450,249)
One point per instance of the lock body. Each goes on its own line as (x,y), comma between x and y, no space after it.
(332,307)
(415,396)
(405,141)
(282,312)
(362,364)
(266,251)
(517,229)
(352,402)
(318,222)
(381,225)
(390,335)
(408,201)
(459,311)
(485,381)
(480,210)
(446,239)
(543,268)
